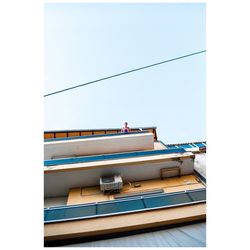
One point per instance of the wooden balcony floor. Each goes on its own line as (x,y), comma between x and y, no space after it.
(80,195)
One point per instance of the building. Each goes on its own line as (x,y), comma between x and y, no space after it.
(102,184)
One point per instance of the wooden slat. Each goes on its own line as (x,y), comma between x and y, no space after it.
(61,135)
(65,133)
(85,133)
(135,130)
(102,132)
(48,135)
(74,134)
(111,131)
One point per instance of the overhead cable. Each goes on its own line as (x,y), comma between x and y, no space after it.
(125,72)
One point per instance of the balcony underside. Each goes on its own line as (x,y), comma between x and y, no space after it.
(59,179)
(123,223)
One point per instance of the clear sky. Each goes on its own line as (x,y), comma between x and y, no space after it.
(85,42)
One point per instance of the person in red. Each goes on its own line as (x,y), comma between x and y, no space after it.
(125,129)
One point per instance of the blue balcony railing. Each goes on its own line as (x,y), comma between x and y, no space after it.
(124,206)
(187,145)
(111,156)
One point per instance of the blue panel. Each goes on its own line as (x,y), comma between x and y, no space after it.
(171,147)
(199,144)
(111,156)
(117,207)
(70,212)
(185,146)
(166,200)
(198,195)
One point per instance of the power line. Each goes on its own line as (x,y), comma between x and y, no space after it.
(126,72)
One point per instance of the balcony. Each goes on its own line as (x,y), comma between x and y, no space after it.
(97,144)
(123,206)
(115,156)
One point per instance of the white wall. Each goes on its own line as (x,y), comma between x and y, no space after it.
(98,145)
(200,164)
(55,201)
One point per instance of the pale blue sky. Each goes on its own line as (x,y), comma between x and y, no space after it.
(84,42)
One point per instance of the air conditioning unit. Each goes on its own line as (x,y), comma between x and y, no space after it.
(111,183)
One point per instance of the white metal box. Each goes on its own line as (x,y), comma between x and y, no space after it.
(111,183)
